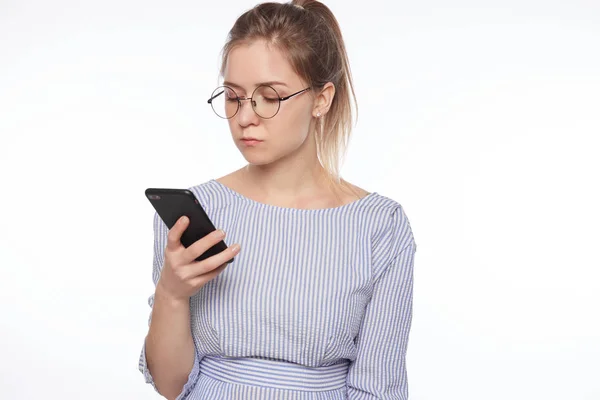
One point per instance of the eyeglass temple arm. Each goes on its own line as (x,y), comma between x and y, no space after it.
(292,95)
(215,96)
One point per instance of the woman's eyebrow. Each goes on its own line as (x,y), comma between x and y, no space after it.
(270,83)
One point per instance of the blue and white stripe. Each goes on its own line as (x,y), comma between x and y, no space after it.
(317,304)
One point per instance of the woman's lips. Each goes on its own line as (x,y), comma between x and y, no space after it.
(251,141)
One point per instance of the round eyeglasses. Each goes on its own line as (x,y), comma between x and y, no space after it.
(265,101)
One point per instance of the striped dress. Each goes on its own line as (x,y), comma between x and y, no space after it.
(316,306)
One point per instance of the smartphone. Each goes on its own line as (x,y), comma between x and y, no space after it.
(172,204)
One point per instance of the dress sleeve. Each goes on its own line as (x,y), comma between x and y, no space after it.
(160,242)
(379,370)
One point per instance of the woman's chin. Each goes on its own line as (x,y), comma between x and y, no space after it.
(256,159)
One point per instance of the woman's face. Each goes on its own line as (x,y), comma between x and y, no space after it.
(247,67)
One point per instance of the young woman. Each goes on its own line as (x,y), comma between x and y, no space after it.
(318,301)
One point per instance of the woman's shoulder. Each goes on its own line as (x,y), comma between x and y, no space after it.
(391,228)
(384,215)
(375,203)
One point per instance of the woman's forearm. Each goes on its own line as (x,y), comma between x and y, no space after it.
(169,344)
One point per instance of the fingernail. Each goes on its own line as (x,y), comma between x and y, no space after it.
(183,220)
(235,248)
(220,234)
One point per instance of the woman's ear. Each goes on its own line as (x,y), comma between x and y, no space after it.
(323,100)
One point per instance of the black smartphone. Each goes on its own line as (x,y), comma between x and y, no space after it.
(172,204)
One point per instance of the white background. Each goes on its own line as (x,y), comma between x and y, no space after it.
(480,117)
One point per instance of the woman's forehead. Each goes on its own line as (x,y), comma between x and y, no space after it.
(249,65)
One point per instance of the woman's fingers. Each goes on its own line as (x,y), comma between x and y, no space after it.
(201,280)
(182,275)
(174,235)
(213,262)
(200,246)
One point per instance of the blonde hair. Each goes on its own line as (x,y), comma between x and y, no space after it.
(307,32)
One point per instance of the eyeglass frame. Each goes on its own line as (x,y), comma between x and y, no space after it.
(239,100)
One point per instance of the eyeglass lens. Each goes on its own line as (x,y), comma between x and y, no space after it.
(225,102)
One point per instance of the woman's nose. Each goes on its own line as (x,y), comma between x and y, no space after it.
(246,114)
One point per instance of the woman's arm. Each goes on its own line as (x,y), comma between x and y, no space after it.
(379,370)
(169,345)
(168,360)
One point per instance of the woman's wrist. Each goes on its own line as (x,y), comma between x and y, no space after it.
(163,296)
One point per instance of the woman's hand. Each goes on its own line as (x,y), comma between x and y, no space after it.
(182,276)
